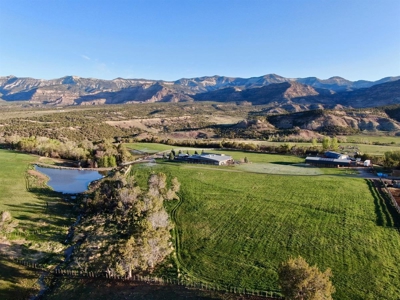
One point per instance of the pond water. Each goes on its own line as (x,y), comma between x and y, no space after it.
(69,181)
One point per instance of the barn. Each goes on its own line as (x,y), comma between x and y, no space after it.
(211,159)
(329,162)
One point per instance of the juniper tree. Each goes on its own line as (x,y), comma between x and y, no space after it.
(300,281)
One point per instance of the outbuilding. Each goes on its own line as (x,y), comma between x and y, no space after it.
(211,159)
(367,163)
(329,162)
(335,155)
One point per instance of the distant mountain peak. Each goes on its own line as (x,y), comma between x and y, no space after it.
(269,88)
(69,79)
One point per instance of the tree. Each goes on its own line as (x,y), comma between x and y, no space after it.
(300,281)
(314,142)
(124,154)
(326,143)
(334,144)
(112,162)
(129,253)
(171,156)
(391,159)
(104,161)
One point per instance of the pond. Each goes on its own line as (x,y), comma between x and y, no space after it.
(69,181)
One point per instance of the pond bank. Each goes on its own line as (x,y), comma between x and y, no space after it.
(44,165)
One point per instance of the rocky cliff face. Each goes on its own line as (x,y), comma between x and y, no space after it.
(321,120)
(285,93)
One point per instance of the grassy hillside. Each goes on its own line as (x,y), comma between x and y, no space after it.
(236,228)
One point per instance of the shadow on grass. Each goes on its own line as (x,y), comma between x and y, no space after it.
(105,289)
(47,218)
(20,281)
(285,163)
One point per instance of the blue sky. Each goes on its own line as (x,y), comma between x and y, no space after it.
(355,39)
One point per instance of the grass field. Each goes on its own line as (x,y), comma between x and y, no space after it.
(16,281)
(27,197)
(235,228)
(155,147)
(358,143)
(43,222)
(370,139)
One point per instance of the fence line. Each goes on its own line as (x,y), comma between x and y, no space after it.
(79,274)
(392,199)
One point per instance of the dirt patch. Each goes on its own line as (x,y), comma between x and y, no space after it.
(153,125)
(11,249)
(40,177)
(396,194)
(224,119)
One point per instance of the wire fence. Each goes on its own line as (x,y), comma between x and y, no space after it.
(392,199)
(189,283)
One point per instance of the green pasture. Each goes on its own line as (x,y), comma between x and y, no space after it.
(30,201)
(235,228)
(381,137)
(17,281)
(43,221)
(155,147)
(271,168)
(353,144)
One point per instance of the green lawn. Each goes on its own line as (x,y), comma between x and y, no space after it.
(235,228)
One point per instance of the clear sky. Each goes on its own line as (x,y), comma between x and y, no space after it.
(354,39)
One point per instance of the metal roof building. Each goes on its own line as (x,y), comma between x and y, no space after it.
(329,162)
(335,155)
(213,159)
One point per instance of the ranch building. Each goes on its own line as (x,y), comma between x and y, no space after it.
(335,155)
(209,159)
(330,162)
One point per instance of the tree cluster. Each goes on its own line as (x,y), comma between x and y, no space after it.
(101,154)
(126,229)
(391,160)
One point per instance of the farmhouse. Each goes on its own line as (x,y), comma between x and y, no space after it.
(211,159)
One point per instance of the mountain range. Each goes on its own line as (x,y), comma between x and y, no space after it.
(280,93)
